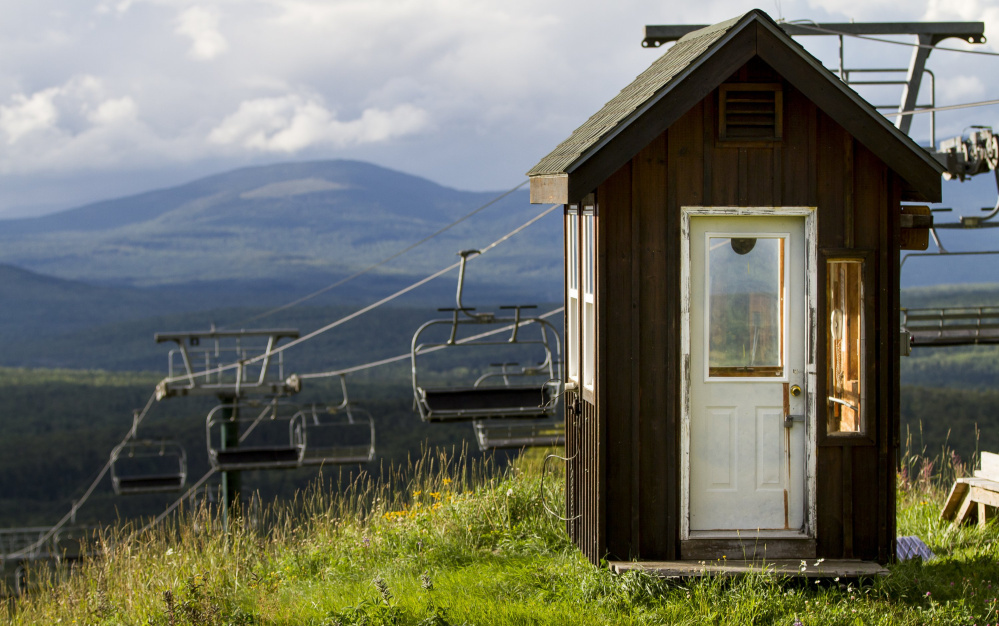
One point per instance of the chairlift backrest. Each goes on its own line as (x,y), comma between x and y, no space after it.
(952,326)
(493,434)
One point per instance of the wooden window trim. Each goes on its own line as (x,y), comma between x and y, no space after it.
(865,437)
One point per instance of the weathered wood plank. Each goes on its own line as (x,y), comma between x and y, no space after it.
(954,499)
(750,549)
(615,362)
(650,202)
(827,568)
(989,466)
(829,483)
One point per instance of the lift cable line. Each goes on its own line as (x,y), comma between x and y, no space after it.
(950,107)
(828,31)
(141,415)
(187,494)
(362,311)
(407,356)
(373,266)
(340,372)
(136,420)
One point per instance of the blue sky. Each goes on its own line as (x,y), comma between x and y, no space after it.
(104,98)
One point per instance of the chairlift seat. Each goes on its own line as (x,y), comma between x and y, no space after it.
(341,456)
(466,403)
(149,484)
(258,458)
(498,434)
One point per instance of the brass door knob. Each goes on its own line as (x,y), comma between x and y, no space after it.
(795,390)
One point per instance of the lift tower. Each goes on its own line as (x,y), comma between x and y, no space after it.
(928,35)
(228,364)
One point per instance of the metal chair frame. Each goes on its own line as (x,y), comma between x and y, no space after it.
(286,456)
(317,454)
(130,483)
(482,400)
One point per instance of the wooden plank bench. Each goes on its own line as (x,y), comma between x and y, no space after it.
(975,497)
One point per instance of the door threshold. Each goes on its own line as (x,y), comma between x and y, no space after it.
(824,568)
(743,535)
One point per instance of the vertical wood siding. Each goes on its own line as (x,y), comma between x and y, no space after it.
(624,479)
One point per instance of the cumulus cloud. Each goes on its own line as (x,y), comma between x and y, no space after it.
(291,123)
(201,26)
(77,124)
(27,114)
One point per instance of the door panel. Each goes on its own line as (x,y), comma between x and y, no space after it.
(747,346)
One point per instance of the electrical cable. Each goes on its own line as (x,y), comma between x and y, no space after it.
(139,417)
(348,370)
(159,518)
(362,311)
(379,263)
(136,420)
(949,107)
(403,357)
(830,31)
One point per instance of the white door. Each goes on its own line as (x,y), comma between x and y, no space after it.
(746,414)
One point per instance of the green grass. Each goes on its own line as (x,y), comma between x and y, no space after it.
(445,541)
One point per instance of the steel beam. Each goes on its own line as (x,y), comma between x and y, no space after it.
(972,32)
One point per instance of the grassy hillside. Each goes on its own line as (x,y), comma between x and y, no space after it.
(59,427)
(468,543)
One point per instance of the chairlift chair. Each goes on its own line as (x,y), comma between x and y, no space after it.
(338,437)
(340,434)
(532,396)
(148,466)
(230,363)
(270,436)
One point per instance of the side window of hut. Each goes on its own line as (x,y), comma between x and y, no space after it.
(589,301)
(572,295)
(845,345)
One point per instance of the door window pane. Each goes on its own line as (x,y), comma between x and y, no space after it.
(844,296)
(745,306)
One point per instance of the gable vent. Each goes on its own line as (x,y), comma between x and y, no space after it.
(750,112)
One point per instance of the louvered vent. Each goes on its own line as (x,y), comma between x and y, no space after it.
(750,112)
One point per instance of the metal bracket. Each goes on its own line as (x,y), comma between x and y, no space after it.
(789,420)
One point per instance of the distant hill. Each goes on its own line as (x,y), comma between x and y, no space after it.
(294,224)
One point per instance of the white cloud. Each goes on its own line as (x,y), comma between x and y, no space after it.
(28,114)
(114,110)
(201,25)
(292,123)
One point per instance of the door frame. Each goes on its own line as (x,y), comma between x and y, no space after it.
(811,336)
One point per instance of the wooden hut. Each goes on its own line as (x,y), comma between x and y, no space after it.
(732,224)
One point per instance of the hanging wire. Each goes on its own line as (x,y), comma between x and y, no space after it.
(362,311)
(406,356)
(829,31)
(136,420)
(541,488)
(949,107)
(159,518)
(358,273)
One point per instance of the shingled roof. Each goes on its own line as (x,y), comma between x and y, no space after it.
(687,73)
